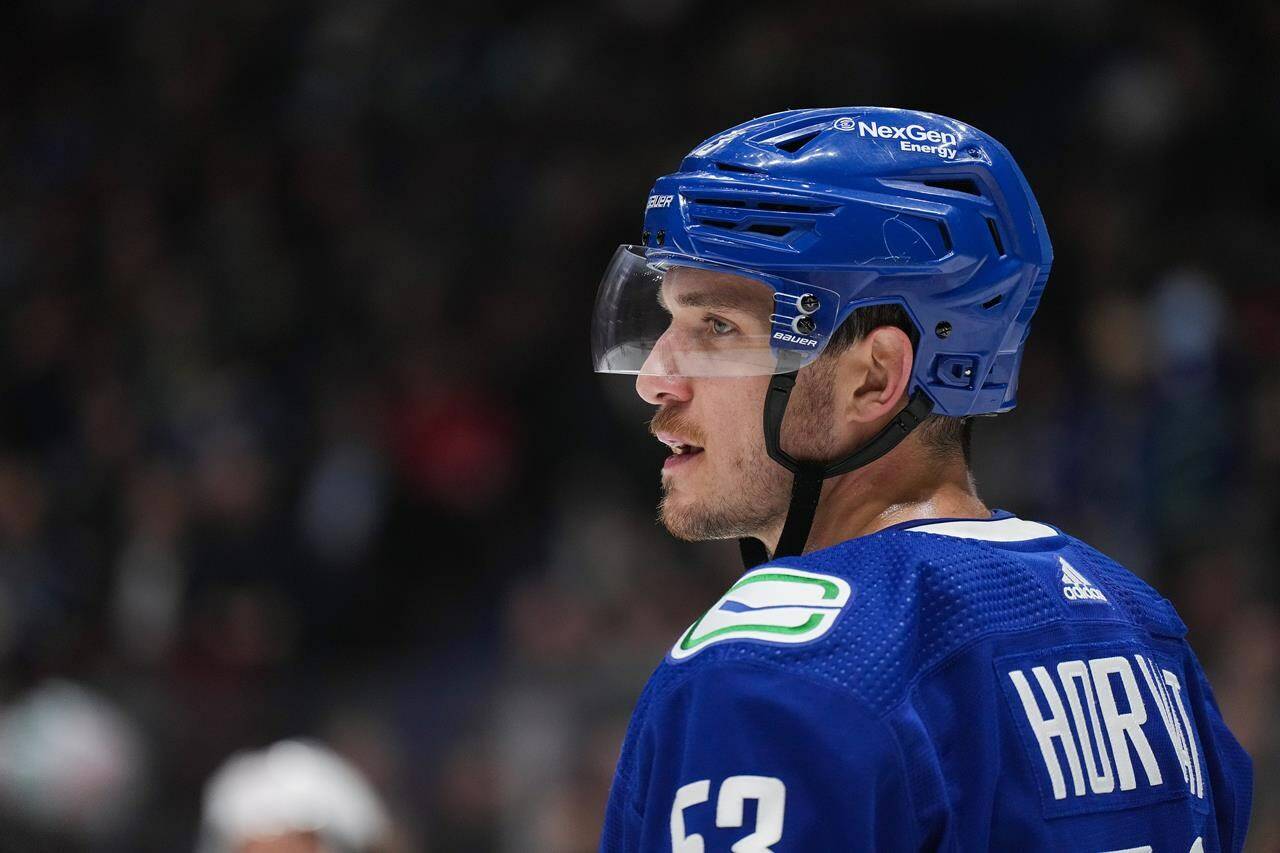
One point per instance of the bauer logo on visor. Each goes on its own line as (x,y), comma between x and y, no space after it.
(660,314)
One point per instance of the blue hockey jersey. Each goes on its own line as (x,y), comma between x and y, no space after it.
(938,685)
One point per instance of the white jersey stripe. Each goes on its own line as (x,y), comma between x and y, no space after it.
(1001,530)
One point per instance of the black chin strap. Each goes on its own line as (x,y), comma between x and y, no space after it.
(806,487)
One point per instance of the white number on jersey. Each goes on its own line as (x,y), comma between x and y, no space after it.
(769,793)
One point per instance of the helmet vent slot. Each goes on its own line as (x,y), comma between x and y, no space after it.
(795,208)
(795,143)
(773,215)
(995,235)
(771,206)
(993,301)
(771,230)
(734,167)
(968,186)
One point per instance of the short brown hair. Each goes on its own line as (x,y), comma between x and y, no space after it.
(940,434)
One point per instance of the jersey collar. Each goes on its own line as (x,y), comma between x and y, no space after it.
(1002,526)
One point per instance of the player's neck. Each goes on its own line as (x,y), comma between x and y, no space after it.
(904,485)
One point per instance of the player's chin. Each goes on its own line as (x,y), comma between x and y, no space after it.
(691,516)
(682,527)
(680,514)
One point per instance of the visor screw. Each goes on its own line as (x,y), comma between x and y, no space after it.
(942,329)
(804,325)
(809,303)
(662,237)
(644,238)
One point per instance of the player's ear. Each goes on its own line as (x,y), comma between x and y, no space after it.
(874,375)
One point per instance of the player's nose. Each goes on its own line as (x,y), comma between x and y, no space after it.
(657,390)
(659,383)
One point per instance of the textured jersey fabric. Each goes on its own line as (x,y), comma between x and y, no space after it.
(938,685)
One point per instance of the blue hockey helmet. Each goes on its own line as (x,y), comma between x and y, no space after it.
(778,229)
(829,210)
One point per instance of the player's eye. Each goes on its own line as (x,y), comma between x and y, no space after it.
(720,328)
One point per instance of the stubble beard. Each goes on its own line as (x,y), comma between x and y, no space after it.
(754,496)
(756,500)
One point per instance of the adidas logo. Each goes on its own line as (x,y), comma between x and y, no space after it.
(1076,587)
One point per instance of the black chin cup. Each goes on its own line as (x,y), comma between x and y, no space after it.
(806,487)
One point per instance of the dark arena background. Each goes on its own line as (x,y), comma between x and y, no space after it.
(299,436)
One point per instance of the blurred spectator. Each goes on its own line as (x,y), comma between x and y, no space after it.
(292,797)
(72,767)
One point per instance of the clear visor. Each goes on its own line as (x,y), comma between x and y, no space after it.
(662,316)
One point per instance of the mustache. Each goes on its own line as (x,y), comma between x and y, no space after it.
(674,421)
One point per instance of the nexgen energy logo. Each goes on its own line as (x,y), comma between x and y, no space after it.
(772,604)
(913,137)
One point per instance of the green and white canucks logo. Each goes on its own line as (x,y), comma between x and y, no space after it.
(775,604)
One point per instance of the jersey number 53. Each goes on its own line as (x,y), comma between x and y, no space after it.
(769,793)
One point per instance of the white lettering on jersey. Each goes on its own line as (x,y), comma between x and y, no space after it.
(1075,679)
(1126,728)
(1056,726)
(1164,686)
(1098,740)
(1188,733)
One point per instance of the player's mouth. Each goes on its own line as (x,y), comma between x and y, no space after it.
(682,452)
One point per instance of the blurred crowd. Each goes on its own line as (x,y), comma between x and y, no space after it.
(298,433)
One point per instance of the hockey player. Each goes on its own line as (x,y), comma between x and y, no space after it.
(900,668)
